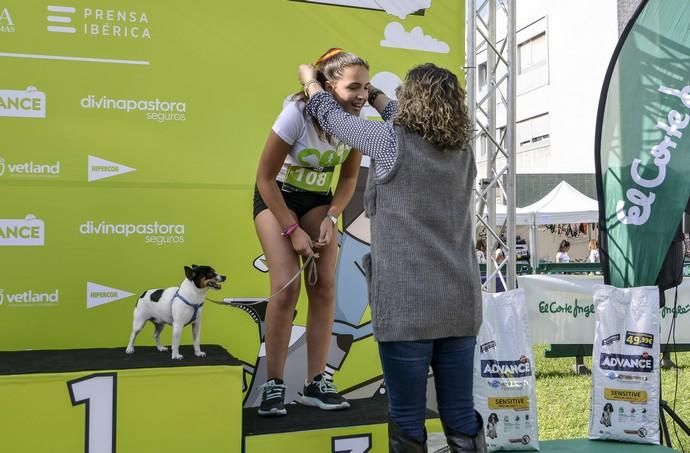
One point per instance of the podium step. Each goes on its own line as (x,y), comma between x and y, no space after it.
(362,428)
(94,359)
(107,401)
(369,411)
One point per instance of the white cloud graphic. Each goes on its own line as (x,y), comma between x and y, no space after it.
(403,8)
(396,36)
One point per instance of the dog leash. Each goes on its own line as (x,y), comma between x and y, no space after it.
(312,277)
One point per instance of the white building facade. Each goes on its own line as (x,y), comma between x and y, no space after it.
(563,50)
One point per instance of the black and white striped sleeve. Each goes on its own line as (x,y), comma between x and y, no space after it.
(375,139)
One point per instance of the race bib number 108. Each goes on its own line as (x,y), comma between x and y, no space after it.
(309,179)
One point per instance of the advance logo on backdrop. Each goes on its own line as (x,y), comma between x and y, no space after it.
(28,231)
(29,103)
(101,169)
(6,23)
(155,109)
(29,169)
(111,23)
(153,233)
(30,298)
(99,295)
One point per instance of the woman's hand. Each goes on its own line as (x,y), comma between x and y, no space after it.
(306,73)
(301,242)
(377,99)
(326,231)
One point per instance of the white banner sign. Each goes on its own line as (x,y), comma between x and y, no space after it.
(561,311)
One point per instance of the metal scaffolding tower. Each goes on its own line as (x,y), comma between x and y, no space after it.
(499,179)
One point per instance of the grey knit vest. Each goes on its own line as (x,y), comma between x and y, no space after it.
(422,272)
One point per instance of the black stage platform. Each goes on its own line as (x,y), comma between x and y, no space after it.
(62,361)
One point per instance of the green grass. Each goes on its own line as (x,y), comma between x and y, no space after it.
(563,398)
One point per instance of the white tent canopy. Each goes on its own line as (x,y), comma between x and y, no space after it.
(564,204)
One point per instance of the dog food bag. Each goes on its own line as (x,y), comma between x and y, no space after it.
(625,365)
(504,382)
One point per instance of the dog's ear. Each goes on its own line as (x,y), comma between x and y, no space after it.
(189,272)
(194,266)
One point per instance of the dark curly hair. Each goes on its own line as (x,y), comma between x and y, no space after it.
(432,104)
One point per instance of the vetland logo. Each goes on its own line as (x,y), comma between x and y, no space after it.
(29,297)
(29,103)
(6,23)
(29,168)
(28,231)
(153,233)
(99,294)
(155,109)
(101,169)
(111,23)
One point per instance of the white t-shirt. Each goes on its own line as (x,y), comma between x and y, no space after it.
(562,257)
(310,162)
(594,256)
(499,256)
(481,257)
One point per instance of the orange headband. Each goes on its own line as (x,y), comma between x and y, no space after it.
(329,53)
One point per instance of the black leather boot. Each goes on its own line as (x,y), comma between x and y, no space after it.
(399,442)
(458,442)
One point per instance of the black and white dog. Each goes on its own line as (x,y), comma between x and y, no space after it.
(491,426)
(176,306)
(606,415)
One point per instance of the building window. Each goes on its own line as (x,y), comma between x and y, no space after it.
(481,75)
(533,132)
(532,53)
(483,145)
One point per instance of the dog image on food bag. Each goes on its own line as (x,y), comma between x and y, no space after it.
(491,426)
(606,415)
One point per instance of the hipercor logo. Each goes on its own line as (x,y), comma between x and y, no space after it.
(28,231)
(29,103)
(101,169)
(99,294)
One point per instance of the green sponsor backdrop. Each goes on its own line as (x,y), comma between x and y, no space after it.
(173,101)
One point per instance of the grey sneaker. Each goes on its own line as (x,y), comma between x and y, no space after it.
(322,393)
(273,399)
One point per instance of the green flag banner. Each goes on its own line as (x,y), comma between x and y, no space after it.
(643,142)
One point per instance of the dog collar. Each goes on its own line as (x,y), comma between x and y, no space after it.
(194,306)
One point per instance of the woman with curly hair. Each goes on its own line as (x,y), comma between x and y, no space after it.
(423,276)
